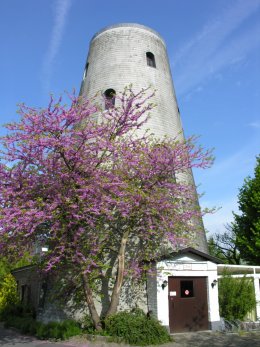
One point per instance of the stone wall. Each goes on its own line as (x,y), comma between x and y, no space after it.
(38,291)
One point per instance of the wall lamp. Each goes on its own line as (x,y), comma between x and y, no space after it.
(214,283)
(164,284)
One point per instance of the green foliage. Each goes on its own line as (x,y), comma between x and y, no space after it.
(58,330)
(247,224)
(236,296)
(4,268)
(87,324)
(27,325)
(18,310)
(22,317)
(223,246)
(135,328)
(53,330)
(6,265)
(8,288)
(242,238)
(215,251)
(8,293)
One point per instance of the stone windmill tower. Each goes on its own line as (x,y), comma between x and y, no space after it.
(125,54)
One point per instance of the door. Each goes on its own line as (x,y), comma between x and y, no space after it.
(188,304)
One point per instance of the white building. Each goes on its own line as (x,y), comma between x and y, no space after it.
(187,292)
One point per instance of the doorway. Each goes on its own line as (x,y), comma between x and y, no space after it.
(188,304)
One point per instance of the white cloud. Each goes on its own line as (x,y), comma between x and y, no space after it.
(255,124)
(216,46)
(61,9)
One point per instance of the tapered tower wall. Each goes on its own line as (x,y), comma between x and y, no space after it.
(126,54)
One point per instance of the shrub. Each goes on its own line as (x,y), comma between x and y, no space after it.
(23,318)
(70,328)
(17,310)
(26,325)
(236,296)
(88,325)
(58,330)
(8,293)
(136,329)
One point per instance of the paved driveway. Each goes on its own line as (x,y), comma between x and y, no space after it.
(10,338)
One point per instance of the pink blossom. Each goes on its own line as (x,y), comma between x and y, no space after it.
(83,182)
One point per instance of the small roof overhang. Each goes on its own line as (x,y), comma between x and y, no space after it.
(191,250)
(23,268)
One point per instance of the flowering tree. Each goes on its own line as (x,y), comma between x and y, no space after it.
(100,194)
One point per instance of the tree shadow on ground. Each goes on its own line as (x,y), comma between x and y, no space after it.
(10,337)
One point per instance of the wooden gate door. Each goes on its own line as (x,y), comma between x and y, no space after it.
(188,304)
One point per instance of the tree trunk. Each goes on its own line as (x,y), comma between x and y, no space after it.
(90,302)
(119,277)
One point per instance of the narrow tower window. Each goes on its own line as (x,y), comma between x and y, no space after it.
(150,59)
(110,98)
(85,71)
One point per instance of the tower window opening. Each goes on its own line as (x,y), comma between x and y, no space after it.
(110,98)
(150,59)
(85,71)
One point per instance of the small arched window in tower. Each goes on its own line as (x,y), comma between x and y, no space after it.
(85,71)
(150,59)
(110,98)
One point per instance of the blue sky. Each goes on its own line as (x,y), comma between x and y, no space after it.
(214,51)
